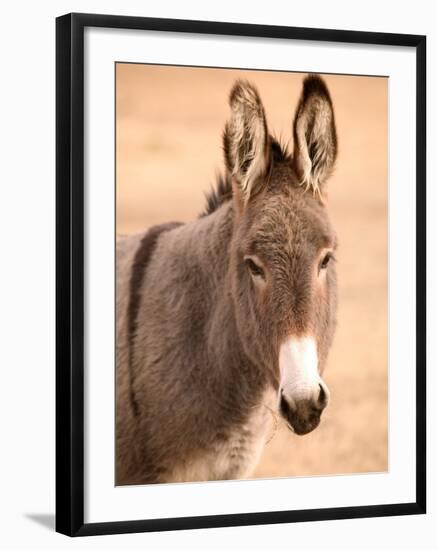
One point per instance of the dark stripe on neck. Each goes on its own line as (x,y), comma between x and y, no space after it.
(139,265)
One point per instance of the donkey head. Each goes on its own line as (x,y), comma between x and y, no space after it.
(283,245)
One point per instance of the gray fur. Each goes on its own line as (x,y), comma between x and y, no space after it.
(204,352)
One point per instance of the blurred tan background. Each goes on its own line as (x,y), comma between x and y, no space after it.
(168,149)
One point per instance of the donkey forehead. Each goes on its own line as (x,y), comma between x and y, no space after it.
(292,221)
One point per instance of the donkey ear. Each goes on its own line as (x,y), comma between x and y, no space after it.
(315,136)
(245,140)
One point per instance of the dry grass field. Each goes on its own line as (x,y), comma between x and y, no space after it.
(168,146)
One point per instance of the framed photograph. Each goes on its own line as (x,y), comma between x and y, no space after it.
(240,274)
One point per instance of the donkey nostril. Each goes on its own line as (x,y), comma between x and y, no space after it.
(285,407)
(323,398)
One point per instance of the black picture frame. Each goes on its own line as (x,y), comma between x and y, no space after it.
(70,273)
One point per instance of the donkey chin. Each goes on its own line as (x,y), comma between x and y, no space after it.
(303,395)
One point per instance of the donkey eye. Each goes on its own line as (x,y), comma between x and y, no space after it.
(324,263)
(254,268)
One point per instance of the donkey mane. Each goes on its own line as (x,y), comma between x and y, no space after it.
(219,194)
(222,191)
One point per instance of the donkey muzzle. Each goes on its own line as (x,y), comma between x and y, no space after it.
(303,415)
(303,394)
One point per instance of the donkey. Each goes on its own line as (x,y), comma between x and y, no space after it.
(225,322)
